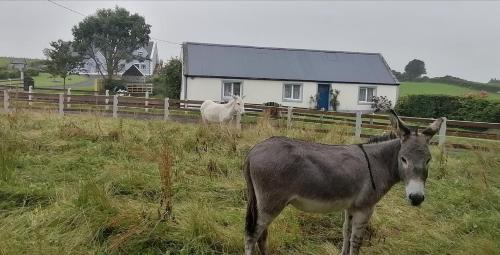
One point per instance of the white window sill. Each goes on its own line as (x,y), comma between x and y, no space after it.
(292,100)
(364,103)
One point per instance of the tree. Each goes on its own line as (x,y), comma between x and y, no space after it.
(415,69)
(494,80)
(170,77)
(62,59)
(115,33)
(400,76)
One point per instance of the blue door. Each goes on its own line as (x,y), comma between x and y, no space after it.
(323,96)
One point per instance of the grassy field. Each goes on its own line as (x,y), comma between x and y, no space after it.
(92,185)
(44,80)
(412,88)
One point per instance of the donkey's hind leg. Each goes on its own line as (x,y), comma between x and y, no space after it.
(259,235)
(263,243)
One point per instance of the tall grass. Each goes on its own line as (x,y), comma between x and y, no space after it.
(92,185)
(165,168)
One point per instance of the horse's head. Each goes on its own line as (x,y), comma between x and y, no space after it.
(414,157)
(238,104)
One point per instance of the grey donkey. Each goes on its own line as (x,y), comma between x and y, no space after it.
(321,178)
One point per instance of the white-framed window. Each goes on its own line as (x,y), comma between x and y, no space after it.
(366,94)
(143,66)
(230,88)
(292,92)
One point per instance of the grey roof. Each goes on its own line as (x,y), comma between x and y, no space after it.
(247,62)
(133,71)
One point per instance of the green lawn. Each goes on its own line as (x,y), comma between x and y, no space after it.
(91,185)
(44,80)
(413,88)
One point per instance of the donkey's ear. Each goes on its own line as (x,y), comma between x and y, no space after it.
(398,125)
(234,96)
(433,128)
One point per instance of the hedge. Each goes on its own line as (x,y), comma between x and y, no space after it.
(451,107)
(8,74)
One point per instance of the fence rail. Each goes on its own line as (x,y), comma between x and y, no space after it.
(115,105)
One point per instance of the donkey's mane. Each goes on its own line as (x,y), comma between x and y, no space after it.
(382,138)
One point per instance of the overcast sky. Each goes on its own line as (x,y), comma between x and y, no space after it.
(457,38)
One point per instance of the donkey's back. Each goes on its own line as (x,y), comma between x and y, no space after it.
(312,177)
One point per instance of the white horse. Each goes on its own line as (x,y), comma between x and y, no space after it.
(221,113)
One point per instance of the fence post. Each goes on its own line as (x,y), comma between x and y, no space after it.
(68,98)
(106,100)
(61,104)
(442,132)
(30,97)
(146,102)
(115,106)
(289,115)
(6,100)
(357,132)
(166,111)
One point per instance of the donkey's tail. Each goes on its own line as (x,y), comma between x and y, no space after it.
(251,218)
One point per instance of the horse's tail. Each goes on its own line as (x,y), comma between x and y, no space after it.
(251,217)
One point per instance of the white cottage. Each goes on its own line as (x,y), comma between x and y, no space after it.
(290,77)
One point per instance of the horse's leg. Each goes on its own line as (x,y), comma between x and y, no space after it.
(347,232)
(359,222)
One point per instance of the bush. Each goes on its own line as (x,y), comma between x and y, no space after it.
(381,104)
(114,85)
(451,107)
(31,72)
(9,74)
(168,82)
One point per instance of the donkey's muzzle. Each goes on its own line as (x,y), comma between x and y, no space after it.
(416,199)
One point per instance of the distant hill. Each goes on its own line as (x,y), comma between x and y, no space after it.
(415,88)
(491,87)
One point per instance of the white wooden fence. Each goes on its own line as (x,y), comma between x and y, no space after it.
(152,107)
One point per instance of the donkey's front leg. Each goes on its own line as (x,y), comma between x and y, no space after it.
(347,232)
(360,220)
